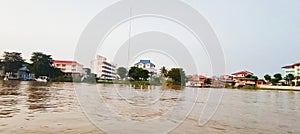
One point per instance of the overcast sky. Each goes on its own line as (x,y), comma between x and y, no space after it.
(256,35)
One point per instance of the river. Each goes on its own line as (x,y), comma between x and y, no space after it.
(30,107)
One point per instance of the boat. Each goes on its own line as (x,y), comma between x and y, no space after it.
(5,78)
(42,79)
(9,76)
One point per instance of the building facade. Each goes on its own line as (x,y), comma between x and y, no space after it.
(103,69)
(146,65)
(69,67)
(240,79)
(292,69)
(196,80)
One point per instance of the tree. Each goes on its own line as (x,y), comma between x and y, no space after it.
(267,77)
(122,72)
(207,81)
(290,78)
(13,61)
(56,72)
(177,75)
(145,74)
(138,73)
(255,78)
(277,77)
(42,66)
(163,71)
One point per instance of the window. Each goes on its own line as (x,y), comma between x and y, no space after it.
(64,65)
(58,65)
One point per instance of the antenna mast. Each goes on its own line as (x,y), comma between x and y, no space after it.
(129,35)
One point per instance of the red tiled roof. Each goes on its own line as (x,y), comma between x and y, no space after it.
(297,64)
(63,61)
(201,77)
(290,66)
(242,72)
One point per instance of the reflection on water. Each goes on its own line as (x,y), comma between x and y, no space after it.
(17,96)
(9,93)
(39,98)
(173,87)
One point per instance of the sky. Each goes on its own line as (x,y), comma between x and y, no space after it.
(256,35)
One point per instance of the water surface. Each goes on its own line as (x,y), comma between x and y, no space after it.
(240,111)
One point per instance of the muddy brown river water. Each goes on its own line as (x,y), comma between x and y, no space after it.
(30,107)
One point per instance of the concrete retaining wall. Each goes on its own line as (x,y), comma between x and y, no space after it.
(280,87)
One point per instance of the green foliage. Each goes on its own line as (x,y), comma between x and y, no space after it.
(207,81)
(138,83)
(290,78)
(56,72)
(177,75)
(61,79)
(138,74)
(248,87)
(122,72)
(13,61)
(255,78)
(163,72)
(42,66)
(145,74)
(277,77)
(252,77)
(268,77)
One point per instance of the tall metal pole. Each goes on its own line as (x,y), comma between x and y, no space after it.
(129,41)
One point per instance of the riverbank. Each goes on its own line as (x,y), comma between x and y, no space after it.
(288,88)
(267,87)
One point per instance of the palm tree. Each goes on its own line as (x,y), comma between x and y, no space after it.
(290,78)
(163,71)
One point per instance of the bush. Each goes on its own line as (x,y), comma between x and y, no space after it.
(61,79)
(249,87)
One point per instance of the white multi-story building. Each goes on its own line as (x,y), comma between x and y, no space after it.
(292,69)
(146,65)
(103,69)
(71,67)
